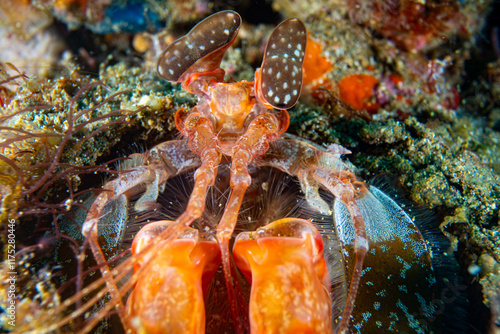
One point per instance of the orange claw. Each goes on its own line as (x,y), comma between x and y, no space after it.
(284,263)
(168,297)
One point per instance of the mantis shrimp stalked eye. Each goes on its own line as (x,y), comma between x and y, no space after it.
(325,266)
(281,72)
(206,38)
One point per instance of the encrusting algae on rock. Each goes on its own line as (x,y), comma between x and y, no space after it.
(434,133)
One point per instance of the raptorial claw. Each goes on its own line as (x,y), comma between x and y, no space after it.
(284,262)
(168,297)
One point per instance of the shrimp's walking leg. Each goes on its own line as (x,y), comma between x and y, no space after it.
(253,143)
(342,186)
(114,191)
(285,265)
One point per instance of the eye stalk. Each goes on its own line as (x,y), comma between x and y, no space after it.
(279,80)
(204,44)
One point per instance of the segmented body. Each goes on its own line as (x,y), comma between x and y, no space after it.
(303,266)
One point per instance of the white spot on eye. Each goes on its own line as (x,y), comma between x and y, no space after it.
(202,47)
(270,93)
(190,46)
(226,31)
(297,53)
(170,71)
(285,55)
(214,32)
(179,65)
(295,92)
(276,99)
(299,46)
(287,98)
(273,45)
(295,69)
(270,70)
(286,67)
(212,41)
(282,39)
(289,45)
(285,85)
(176,52)
(278,75)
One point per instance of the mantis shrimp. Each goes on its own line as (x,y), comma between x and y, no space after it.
(242,125)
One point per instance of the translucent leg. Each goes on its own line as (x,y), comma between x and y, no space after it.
(342,186)
(284,263)
(113,190)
